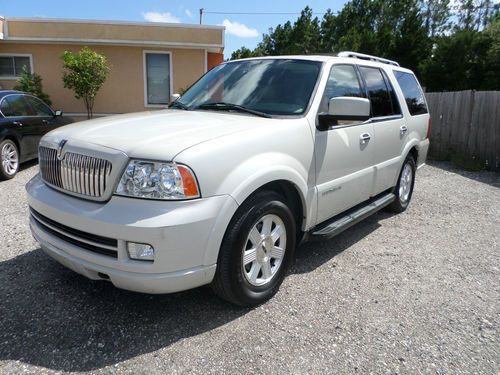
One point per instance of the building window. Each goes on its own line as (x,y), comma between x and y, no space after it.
(157,67)
(12,66)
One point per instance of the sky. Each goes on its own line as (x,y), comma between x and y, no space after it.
(241,29)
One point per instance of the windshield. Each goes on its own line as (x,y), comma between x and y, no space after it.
(267,86)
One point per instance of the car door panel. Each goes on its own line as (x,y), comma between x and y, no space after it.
(389,127)
(345,169)
(344,162)
(387,155)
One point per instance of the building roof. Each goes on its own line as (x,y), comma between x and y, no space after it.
(172,35)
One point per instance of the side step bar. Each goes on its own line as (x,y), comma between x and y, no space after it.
(340,224)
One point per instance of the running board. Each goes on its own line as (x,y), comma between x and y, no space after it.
(354,217)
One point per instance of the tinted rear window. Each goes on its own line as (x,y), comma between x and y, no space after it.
(381,96)
(413,94)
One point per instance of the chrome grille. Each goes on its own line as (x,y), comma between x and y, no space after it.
(81,174)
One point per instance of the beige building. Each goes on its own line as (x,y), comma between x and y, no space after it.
(149,61)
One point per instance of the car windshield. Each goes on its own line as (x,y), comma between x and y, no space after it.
(263,87)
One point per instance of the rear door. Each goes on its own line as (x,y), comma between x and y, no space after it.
(344,153)
(389,126)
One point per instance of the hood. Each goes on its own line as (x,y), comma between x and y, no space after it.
(158,135)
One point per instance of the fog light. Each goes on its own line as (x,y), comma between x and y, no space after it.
(140,251)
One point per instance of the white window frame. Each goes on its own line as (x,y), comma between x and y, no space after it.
(144,68)
(32,70)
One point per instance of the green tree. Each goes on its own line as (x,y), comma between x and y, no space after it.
(436,15)
(85,72)
(457,62)
(32,83)
(388,28)
(242,53)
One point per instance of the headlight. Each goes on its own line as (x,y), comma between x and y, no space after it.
(148,179)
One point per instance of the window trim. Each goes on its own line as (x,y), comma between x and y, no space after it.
(145,77)
(29,55)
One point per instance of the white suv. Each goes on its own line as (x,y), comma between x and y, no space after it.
(255,157)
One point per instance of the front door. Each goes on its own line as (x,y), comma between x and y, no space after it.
(23,122)
(344,154)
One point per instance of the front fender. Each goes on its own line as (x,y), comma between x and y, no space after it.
(262,169)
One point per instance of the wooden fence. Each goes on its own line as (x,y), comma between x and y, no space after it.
(466,127)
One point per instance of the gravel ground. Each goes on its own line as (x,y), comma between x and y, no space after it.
(408,294)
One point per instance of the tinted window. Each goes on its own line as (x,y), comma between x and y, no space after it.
(41,109)
(12,66)
(413,94)
(16,106)
(342,81)
(272,86)
(379,94)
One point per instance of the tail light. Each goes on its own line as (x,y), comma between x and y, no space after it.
(429,126)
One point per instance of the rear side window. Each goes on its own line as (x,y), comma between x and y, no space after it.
(413,93)
(41,109)
(382,97)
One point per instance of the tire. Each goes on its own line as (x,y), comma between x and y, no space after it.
(246,241)
(404,188)
(9,160)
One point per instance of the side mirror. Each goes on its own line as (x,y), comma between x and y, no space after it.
(174,97)
(58,113)
(346,108)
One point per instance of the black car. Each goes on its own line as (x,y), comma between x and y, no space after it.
(24,119)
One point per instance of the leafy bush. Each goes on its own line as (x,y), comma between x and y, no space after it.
(32,83)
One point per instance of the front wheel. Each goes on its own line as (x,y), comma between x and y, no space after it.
(9,159)
(404,188)
(256,251)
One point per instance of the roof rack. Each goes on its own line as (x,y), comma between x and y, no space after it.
(366,57)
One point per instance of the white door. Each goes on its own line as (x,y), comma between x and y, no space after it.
(389,127)
(344,153)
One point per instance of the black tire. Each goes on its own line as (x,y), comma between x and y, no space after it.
(6,174)
(230,281)
(402,200)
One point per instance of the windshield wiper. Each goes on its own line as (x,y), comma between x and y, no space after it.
(223,106)
(178,104)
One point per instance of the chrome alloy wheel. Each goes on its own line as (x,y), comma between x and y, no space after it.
(10,159)
(264,250)
(405,183)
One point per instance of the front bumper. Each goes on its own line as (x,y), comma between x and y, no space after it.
(186,237)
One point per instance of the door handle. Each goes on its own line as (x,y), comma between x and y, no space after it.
(403,129)
(45,121)
(364,138)
(18,123)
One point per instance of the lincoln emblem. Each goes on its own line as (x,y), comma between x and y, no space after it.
(60,148)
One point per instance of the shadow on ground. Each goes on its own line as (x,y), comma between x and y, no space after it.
(54,318)
(486,177)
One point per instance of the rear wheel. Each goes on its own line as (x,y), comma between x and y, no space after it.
(9,159)
(404,188)
(256,251)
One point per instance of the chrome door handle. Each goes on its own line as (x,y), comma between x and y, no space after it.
(45,122)
(18,123)
(364,138)
(403,129)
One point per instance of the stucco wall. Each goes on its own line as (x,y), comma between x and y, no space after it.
(123,91)
(82,30)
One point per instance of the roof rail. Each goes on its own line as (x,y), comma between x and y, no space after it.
(366,57)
